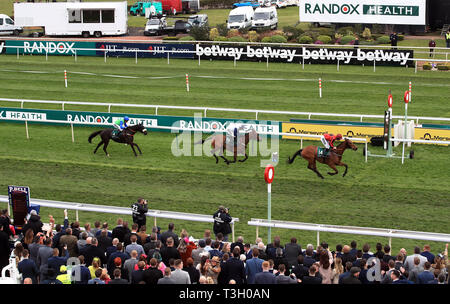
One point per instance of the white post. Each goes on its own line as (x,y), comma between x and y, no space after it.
(234,60)
(187,82)
(404,136)
(366,150)
(26,129)
(338,65)
(320,87)
(168,58)
(267,64)
(65,78)
(303,62)
(415,68)
(374,69)
(75,55)
(198,60)
(73,136)
(136,57)
(409,97)
(17,52)
(105,56)
(46,54)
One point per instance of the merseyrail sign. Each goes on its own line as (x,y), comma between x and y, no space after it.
(411,12)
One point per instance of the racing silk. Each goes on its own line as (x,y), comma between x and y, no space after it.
(233,128)
(120,124)
(330,138)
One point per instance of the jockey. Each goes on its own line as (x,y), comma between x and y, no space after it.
(328,140)
(121,124)
(232,131)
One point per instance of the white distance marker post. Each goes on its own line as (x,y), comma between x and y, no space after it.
(269,173)
(406,98)
(187,82)
(320,87)
(410,91)
(65,78)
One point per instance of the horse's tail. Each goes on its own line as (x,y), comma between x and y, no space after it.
(93,135)
(291,160)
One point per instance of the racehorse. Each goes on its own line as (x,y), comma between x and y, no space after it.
(218,143)
(126,137)
(334,158)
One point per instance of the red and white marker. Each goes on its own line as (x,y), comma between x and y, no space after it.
(320,87)
(65,78)
(390,99)
(410,91)
(269,174)
(187,82)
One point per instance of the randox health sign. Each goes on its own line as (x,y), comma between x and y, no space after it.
(411,12)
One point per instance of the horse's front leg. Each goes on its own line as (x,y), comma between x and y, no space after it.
(344,165)
(132,147)
(332,166)
(226,160)
(137,147)
(105,145)
(243,160)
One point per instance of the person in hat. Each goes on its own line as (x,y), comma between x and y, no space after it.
(120,125)
(353,277)
(63,277)
(50,277)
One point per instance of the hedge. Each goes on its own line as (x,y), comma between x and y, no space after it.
(347,39)
(383,40)
(324,39)
(305,39)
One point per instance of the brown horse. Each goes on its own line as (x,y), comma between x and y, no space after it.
(334,158)
(219,142)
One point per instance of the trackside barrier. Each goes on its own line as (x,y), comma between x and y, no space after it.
(439,142)
(123,211)
(390,233)
(206,109)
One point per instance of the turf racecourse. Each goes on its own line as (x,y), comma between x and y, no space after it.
(380,193)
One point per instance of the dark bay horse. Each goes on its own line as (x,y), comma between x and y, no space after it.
(219,144)
(126,137)
(334,158)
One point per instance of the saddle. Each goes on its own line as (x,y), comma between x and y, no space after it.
(323,152)
(116,134)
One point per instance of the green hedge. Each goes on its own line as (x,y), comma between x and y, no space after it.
(305,39)
(347,39)
(221,38)
(278,39)
(187,38)
(443,67)
(426,66)
(324,39)
(237,39)
(383,40)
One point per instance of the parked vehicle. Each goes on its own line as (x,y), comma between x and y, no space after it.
(198,20)
(139,8)
(174,7)
(279,3)
(240,17)
(7,26)
(74,18)
(265,17)
(252,3)
(158,26)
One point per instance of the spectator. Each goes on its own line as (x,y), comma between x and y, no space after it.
(123,256)
(28,268)
(117,278)
(234,268)
(70,241)
(300,270)
(262,251)
(104,241)
(272,248)
(197,253)
(248,251)
(96,279)
(426,253)
(185,248)
(415,271)
(34,222)
(82,241)
(152,253)
(119,265)
(395,277)
(387,252)
(447,38)
(50,277)
(441,279)
(134,231)
(134,246)
(222,221)
(33,248)
(63,277)
(169,233)
(353,250)
(167,277)
(56,261)
(438,263)
(130,263)
(348,255)
(409,262)
(311,278)
(308,260)
(279,258)
(180,276)
(282,278)
(91,251)
(44,254)
(359,257)
(399,261)
(119,231)
(169,252)
(140,209)
(363,274)
(143,236)
(94,267)
(60,231)
(240,243)
(348,267)
(194,274)
(150,243)
(28,238)
(366,252)
(113,248)
(325,267)
(87,229)
(394,39)
(80,273)
(426,275)
(226,249)
(137,276)
(152,274)
(339,252)
(208,243)
(353,278)
(264,277)
(253,266)
(432,45)
(76,229)
(386,275)
(5,221)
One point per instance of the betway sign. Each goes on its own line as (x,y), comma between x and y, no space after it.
(411,12)
(311,55)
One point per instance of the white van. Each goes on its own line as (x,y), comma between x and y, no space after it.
(240,17)
(265,17)
(7,26)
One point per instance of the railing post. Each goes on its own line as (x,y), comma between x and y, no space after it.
(318,237)
(154,222)
(73,137)
(257,230)
(76,215)
(105,55)
(232,231)
(109,108)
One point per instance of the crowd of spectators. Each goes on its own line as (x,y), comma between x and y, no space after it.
(69,254)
